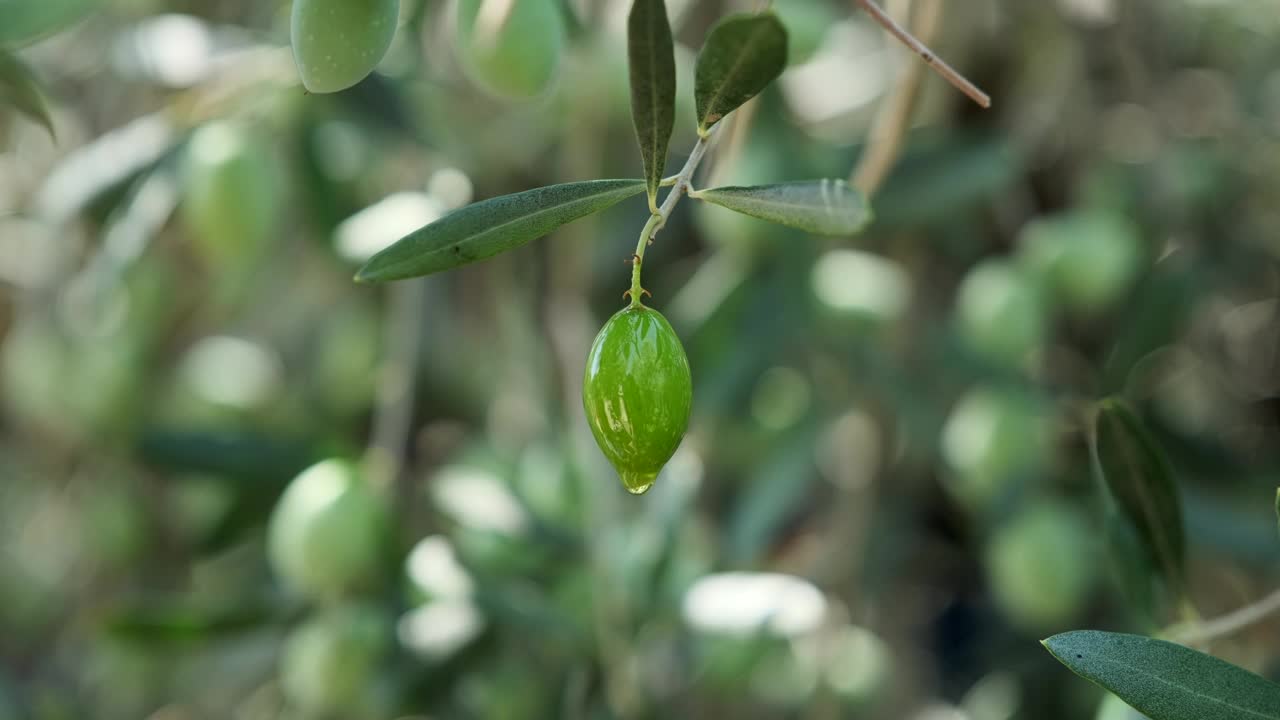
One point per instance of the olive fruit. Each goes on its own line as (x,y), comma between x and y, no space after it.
(1000,312)
(510,47)
(327,533)
(337,43)
(637,392)
(993,438)
(230,192)
(329,662)
(1040,566)
(1088,258)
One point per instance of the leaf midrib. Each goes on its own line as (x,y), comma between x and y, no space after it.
(496,228)
(1138,670)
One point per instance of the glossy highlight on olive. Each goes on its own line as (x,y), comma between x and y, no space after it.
(637,392)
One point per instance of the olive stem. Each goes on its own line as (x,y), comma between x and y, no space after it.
(1229,623)
(960,82)
(659,219)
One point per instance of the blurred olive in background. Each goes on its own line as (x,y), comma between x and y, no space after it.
(1086,259)
(994,438)
(1042,566)
(510,48)
(337,43)
(328,534)
(232,193)
(1001,312)
(329,663)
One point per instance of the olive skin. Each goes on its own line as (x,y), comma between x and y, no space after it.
(328,532)
(337,43)
(514,57)
(637,392)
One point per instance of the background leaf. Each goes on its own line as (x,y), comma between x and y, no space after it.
(652,61)
(822,207)
(742,55)
(1136,474)
(1166,681)
(484,229)
(20,88)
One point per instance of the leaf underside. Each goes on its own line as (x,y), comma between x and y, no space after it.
(822,207)
(484,229)
(1166,681)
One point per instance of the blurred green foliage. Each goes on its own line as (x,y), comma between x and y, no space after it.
(884,498)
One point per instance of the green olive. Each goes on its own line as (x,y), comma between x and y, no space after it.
(329,663)
(637,392)
(327,534)
(510,47)
(1000,312)
(230,193)
(1089,258)
(1040,567)
(337,43)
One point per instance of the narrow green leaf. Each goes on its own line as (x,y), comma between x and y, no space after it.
(1132,467)
(652,59)
(1278,508)
(742,55)
(822,207)
(25,21)
(484,229)
(20,88)
(1166,681)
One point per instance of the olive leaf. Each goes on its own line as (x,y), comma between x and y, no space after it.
(652,60)
(484,229)
(1166,681)
(25,21)
(742,55)
(822,207)
(1134,471)
(20,88)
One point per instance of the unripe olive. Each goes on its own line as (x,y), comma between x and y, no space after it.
(1039,567)
(637,392)
(337,43)
(231,196)
(1089,259)
(510,47)
(327,534)
(992,437)
(1000,312)
(329,662)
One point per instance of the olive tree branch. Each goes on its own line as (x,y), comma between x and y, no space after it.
(1228,624)
(659,219)
(393,417)
(939,66)
(889,130)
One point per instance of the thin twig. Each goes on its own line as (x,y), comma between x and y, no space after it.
(393,418)
(1228,624)
(658,220)
(889,131)
(939,66)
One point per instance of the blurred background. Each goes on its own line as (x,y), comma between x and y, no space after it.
(884,500)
